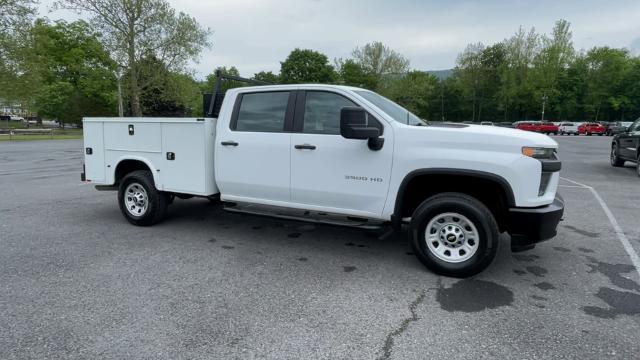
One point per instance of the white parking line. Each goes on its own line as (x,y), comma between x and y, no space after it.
(621,236)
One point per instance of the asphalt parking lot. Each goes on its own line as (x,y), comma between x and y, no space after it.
(77,281)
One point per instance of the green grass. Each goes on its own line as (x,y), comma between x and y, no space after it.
(57,135)
(13,125)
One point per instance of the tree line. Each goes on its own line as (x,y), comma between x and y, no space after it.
(131,58)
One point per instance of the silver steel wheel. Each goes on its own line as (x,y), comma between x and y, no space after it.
(136,199)
(452,237)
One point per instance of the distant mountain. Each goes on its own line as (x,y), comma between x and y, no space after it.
(441,74)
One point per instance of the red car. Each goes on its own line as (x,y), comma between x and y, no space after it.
(548,128)
(528,126)
(537,126)
(592,128)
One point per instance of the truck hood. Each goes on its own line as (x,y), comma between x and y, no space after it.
(496,134)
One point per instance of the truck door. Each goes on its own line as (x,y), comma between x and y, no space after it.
(253,150)
(629,141)
(330,173)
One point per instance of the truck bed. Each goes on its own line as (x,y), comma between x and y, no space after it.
(178,151)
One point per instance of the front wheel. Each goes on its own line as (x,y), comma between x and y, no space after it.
(454,234)
(140,202)
(615,159)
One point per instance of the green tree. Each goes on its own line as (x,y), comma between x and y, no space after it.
(267,76)
(139,29)
(306,66)
(550,65)
(168,93)
(469,72)
(353,74)
(74,72)
(15,14)
(605,71)
(378,59)
(15,25)
(517,90)
(631,90)
(412,90)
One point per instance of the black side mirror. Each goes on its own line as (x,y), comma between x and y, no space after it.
(353,124)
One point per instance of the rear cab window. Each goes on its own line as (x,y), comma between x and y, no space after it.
(260,112)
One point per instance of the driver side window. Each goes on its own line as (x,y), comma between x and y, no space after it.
(322,113)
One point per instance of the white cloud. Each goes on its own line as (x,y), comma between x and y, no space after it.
(256,35)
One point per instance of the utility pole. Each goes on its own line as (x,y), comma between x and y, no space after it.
(544,101)
(442,101)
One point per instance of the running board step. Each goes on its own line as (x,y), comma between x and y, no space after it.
(304,215)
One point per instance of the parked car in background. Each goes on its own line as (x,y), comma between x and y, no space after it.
(527,126)
(591,128)
(626,147)
(505,124)
(488,123)
(618,127)
(568,128)
(548,128)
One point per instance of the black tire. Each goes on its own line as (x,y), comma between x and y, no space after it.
(638,165)
(588,134)
(467,206)
(156,201)
(615,159)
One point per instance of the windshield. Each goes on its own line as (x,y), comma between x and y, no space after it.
(397,112)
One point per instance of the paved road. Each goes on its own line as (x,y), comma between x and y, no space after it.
(77,281)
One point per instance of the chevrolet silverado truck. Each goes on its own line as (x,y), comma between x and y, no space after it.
(339,155)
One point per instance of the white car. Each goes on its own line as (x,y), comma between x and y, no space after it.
(339,155)
(569,128)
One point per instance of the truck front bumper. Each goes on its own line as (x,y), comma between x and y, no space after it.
(528,226)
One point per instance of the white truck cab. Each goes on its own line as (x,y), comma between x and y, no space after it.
(340,155)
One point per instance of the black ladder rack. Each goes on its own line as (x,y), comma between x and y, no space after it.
(211,103)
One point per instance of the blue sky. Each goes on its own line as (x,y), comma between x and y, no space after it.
(256,35)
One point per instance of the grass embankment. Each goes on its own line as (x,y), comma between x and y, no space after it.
(54,135)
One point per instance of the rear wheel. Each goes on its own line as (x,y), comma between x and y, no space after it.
(140,202)
(615,159)
(454,234)
(638,164)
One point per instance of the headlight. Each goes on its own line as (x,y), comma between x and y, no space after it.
(539,153)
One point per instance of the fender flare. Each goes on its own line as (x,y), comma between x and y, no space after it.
(396,217)
(154,171)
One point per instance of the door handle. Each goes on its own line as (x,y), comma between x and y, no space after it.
(305,147)
(229,143)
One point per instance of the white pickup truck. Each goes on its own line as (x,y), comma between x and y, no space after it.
(339,155)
